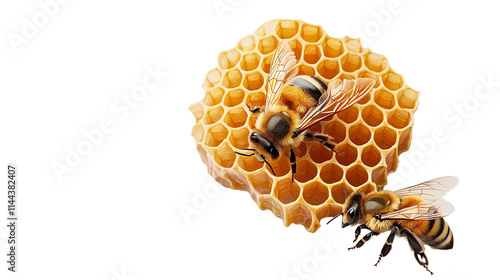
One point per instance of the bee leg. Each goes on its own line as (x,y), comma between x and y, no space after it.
(293,163)
(387,246)
(358,231)
(253,109)
(363,240)
(418,250)
(324,139)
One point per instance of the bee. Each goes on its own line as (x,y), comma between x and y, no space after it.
(293,105)
(415,212)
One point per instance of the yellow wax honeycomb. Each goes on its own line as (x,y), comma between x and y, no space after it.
(371,133)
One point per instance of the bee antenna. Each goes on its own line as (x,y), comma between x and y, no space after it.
(245,155)
(249,149)
(268,165)
(339,214)
(345,192)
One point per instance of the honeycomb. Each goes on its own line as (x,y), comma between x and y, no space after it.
(371,134)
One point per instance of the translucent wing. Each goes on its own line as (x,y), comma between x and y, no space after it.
(434,206)
(438,209)
(283,61)
(340,95)
(431,190)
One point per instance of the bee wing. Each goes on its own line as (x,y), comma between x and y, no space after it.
(427,211)
(283,61)
(340,95)
(431,190)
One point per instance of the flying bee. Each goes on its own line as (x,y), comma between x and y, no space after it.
(415,212)
(292,108)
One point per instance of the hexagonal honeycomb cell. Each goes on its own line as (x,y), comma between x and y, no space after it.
(371,134)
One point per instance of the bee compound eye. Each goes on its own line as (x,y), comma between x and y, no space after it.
(350,215)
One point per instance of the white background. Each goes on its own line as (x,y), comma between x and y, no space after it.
(116,214)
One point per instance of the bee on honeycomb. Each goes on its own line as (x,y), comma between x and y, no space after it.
(370,135)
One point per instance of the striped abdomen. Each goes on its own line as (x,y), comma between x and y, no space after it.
(302,93)
(313,86)
(437,234)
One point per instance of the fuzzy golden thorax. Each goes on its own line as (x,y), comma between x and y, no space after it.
(377,203)
(296,99)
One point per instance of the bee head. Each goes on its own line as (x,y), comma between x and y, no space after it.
(351,212)
(279,125)
(266,145)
